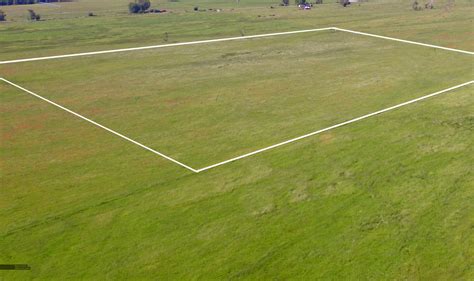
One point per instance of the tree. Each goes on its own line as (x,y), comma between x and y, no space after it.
(144,4)
(3,16)
(344,2)
(429,4)
(416,6)
(33,16)
(134,8)
(139,6)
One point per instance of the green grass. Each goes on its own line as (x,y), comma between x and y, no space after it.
(385,198)
(207,103)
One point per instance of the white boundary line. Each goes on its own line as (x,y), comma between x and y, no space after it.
(248,154)
(404,41)
(230,39)
(165,45)
(98,125)
(336,126)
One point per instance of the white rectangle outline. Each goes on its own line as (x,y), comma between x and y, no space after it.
(231,39)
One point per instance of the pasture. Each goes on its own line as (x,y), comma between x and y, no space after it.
(387,197)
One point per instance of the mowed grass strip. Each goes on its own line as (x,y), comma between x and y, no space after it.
(205,104)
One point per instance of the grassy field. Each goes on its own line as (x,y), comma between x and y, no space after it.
(382,199)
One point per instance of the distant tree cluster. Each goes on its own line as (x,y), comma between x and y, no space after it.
(28,2)
(17,2)
(139,6)
(31,15)
(428,5)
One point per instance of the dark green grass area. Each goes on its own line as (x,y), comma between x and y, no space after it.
(387,198)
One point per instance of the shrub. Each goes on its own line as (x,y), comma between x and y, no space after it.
(134,8)
(416,6)
(3,16)
(144,4)
(33,16)
(429,4)
(139,6)
(344,2)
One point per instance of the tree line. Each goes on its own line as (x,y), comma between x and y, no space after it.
(28,2)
